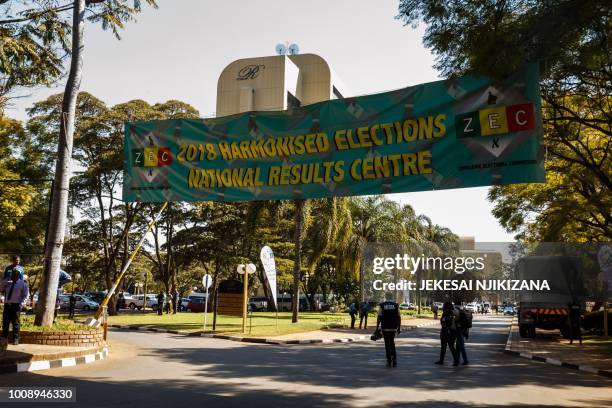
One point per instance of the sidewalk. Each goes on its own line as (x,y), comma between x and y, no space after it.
(551,348)
(34,357)
(324,336)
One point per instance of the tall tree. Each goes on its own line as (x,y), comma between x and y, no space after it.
(570,40)
(112,14)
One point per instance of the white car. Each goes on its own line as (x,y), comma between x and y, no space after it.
(472,307)
(136,301)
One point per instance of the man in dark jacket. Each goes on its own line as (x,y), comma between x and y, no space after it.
(364,308)
(463,331)
(352,309)
(389,321)
(574,323)
(71,306)
(160,302)
(448,333)
(175,302)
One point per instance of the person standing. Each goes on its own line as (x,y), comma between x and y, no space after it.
(434,309)
(364,309)
(389,321)
(448,334)
(160,302)
(463,324)
(16,293)
(15,265)
(352,309)
(574,323)
(71,306)
(168,302)
(175,299)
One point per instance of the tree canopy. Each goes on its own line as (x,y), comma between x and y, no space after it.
(570,40)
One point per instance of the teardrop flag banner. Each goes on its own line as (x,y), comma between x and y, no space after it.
(267,260)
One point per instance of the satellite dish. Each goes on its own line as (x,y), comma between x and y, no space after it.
(281,49)
(294,49)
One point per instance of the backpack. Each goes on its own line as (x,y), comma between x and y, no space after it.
(465,319)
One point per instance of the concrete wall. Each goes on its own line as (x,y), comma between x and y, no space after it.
(262,83)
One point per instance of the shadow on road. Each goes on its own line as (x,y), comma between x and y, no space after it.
(246,375)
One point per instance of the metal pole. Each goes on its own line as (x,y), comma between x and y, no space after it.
(206,308)
(144,294)
(244,300)
(129,262)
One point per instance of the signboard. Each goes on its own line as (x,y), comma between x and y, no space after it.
(207,281)
(267,260)
(463,132)
(229,298)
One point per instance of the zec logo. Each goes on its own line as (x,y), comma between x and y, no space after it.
(152,157)
(495,121)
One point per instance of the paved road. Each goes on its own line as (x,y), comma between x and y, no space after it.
(159,370)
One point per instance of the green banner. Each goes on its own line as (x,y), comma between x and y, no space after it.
(464,132)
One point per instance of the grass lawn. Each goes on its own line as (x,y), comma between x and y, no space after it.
(61,324)
(598,341)
(262,323)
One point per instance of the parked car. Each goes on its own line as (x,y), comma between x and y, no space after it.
(258,304)
(196,305)
(406,306)
(95,296)
(137,301)
(472,307)
(509,311)
(82,302)
(284,302)
(185,301)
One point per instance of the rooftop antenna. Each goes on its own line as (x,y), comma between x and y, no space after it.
(287,49)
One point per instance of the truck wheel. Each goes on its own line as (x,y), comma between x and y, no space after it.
(132,306)
(532,332)
(523,330)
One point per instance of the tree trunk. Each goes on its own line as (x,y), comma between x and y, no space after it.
(63,170)
(299,224)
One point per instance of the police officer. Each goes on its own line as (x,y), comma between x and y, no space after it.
(389,321)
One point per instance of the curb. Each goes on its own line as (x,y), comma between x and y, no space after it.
(262,340)
(48,364)
(552,361)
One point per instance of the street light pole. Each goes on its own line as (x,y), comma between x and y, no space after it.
(245,270)
(144,298)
